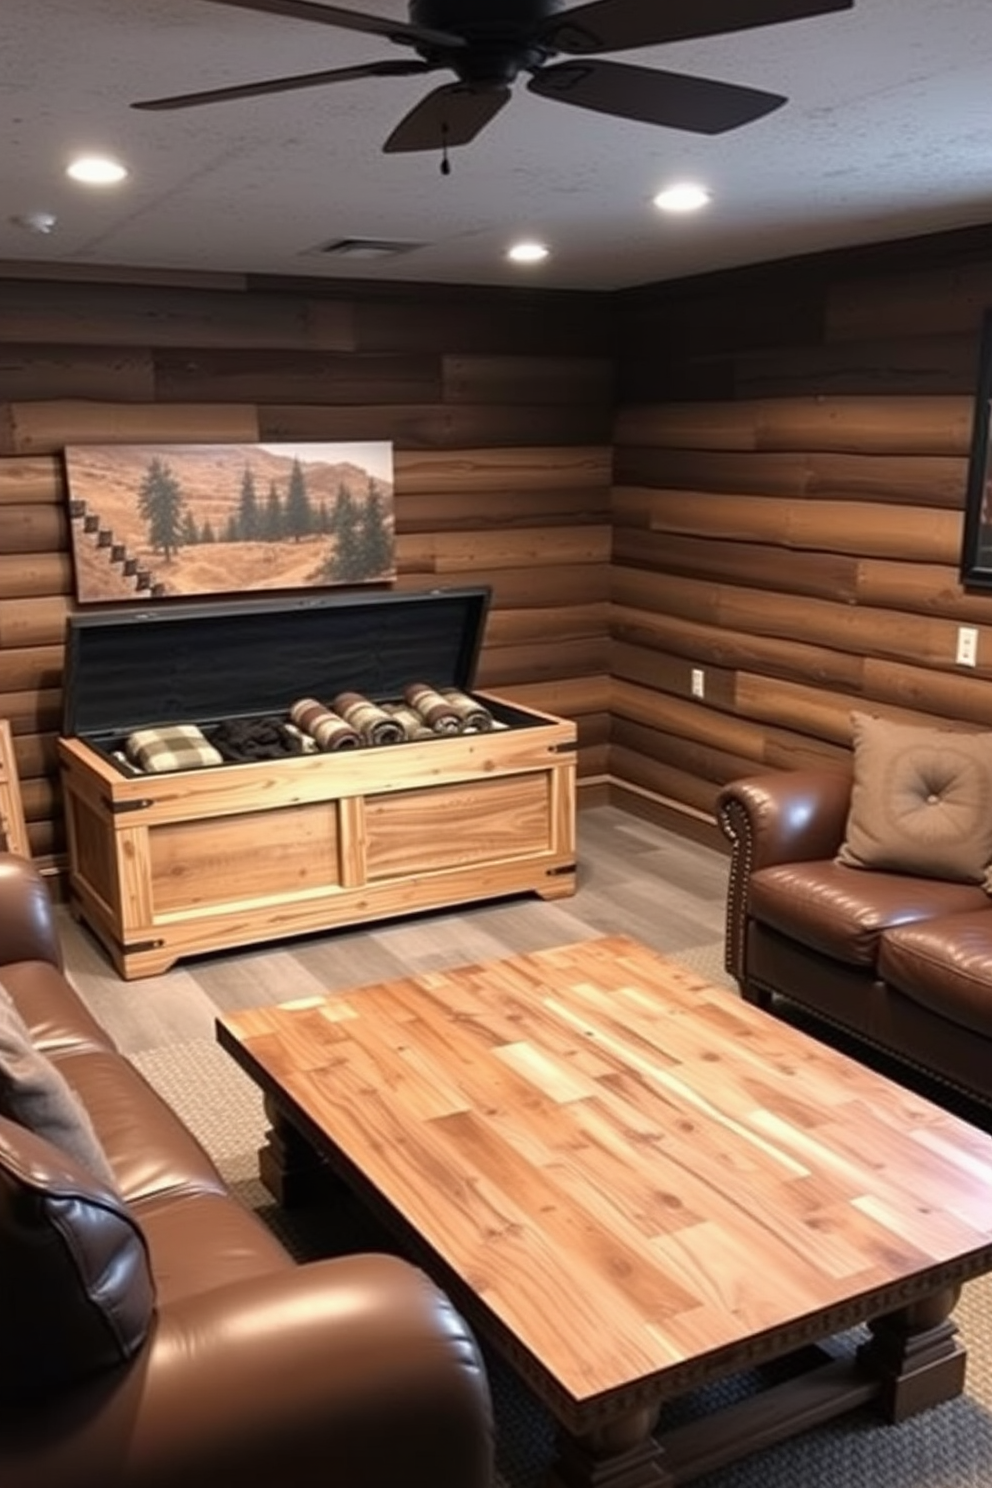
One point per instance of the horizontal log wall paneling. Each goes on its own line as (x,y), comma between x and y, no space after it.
(789,479)
(499,404)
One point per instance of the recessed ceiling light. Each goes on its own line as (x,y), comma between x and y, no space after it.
(683,197)
(96,170)
(527,253)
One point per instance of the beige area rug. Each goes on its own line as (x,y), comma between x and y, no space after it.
(949,1447)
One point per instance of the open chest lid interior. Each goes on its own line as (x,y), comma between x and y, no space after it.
(204,663)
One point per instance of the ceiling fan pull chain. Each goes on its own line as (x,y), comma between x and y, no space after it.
(445,162)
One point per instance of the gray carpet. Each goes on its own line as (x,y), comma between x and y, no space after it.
(949,1447)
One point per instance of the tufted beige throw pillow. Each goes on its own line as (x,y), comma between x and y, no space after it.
(37,1095)
(921,801)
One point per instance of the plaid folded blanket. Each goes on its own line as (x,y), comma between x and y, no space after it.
(172,746)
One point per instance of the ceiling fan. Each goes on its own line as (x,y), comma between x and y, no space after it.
(487,46)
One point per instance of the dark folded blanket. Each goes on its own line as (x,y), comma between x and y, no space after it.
(241,740)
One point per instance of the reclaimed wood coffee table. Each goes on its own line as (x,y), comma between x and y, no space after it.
(635,1184)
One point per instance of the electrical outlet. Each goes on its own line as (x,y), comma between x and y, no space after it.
(967,653)
(698,682)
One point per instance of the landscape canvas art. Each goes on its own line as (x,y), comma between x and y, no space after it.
(165,521)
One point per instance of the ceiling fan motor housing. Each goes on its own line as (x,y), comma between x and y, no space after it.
(498,45)
(462,17)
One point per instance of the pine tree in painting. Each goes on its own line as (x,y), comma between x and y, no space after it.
(272,515)
(161,503)
(346,564)
(298,513)
(363,547)
(377,538)
(345,513)
(248,514)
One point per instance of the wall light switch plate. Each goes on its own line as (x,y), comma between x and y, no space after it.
(967,652)
(698,682)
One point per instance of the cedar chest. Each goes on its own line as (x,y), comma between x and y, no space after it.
(169,865)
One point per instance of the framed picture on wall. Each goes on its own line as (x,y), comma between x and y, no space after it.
(976,551)
(153,522)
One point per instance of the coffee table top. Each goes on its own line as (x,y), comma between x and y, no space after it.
(630,1169)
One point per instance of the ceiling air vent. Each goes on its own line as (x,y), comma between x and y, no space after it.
(363,248)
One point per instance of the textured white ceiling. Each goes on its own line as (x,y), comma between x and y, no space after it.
(888,132)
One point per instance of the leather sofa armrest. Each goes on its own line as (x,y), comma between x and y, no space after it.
(27,921)
(356,1371)
(785,816)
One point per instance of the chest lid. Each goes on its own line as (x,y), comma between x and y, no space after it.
(203,663)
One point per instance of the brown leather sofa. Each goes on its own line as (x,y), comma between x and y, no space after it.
(160,1335)
(904,963)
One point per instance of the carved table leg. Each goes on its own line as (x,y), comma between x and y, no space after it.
(287,1164)
(621,1454)
(916,1355)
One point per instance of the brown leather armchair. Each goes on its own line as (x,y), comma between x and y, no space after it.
(903,963)
(154,1331)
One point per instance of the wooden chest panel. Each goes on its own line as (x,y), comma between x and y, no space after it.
(453,826)
(92,849)
(244,859)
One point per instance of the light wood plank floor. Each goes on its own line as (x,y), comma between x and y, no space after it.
(634,879)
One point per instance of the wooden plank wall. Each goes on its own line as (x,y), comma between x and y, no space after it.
(791,451)
(499,405)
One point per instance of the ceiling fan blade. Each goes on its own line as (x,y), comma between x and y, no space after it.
(349,20)
(616,25)
(673,99)
(284,84)
(452,115)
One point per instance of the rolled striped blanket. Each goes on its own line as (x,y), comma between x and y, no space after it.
(436,711)
(372,724)
(473,717)
(327,728)
(410,721)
